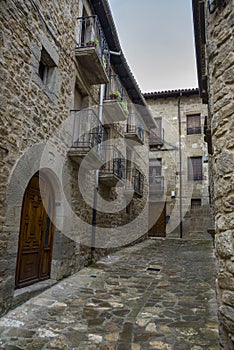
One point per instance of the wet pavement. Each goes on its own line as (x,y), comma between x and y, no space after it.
(158,294)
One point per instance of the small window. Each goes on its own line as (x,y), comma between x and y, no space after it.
(195,168)
(193,124)
(46,68)
(155,169)
(156,133)
(195,203)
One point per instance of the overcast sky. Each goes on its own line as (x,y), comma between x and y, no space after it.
(157,39)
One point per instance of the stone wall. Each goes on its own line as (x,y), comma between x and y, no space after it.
(36,128)
(32,112)
(195,221)
(220,58)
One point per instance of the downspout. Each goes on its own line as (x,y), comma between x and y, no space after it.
(94,218)
(100,114)
(180,167)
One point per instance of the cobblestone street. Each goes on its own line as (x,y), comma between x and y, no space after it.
(158,294)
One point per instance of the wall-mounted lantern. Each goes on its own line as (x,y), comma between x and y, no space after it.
(173,194)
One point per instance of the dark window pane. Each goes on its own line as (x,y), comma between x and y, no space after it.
(42,70)
(195,168)
(193,124)
(195,203)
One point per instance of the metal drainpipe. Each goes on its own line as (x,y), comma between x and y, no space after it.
(94,218)
(180,167)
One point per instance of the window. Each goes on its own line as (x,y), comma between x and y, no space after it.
(156,133)
(46,69)
(195,168)
(155,168)
(195,203)
(156,180)
(193,124)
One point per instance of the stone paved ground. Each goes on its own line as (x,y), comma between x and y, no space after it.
(156,295)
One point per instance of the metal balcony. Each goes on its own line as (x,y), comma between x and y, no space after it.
(92,52)
(112,173)
(156,186)
(156,137)
(88,133)
(134,129)
(115,101)
(134,182)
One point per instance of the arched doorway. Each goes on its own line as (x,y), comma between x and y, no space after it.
(36,232)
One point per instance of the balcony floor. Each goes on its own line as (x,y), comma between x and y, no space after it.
(91,64)
(92,160)
(110,179)
(132,136)
(113,111)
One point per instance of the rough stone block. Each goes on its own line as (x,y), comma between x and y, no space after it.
(226,317)
(224,244)
(228,298)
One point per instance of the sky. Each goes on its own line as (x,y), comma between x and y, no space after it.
(157,40)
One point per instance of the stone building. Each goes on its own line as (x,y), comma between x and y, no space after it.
(179,192)
(213,30)
(74,145)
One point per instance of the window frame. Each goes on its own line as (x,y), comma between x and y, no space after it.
(196,203)
(46,69)
(193,124)
(195,168)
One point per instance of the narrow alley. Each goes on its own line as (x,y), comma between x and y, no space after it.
(158,294)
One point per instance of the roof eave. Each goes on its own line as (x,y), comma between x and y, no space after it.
(121,67)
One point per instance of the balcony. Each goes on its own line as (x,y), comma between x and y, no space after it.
(88,133)
(156,138)
(134,183)
(92,52)
(156,186)
(134,129)
(115,101)
(112,173)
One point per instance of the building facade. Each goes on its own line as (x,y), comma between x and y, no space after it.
(74,145)
(213,30)
(178,168)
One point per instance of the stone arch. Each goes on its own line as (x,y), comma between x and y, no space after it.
(27,165)
(36,232)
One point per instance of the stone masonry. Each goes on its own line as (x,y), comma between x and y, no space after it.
(42,82)
(165,105)
(214,27)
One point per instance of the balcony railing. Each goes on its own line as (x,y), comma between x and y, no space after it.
(134,129)
(156,137)
(113,170)
(88,133)
(115,101)
(134,182)
(92,50)
(156,185)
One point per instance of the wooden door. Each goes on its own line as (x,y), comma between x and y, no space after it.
(159,228)
(36,232)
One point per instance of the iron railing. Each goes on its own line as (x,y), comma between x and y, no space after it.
(134,126)
(115,162)
(135,181)
(88,131)
(91,35)
(115,92)
(194,130)
(156,136)
(156,184)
